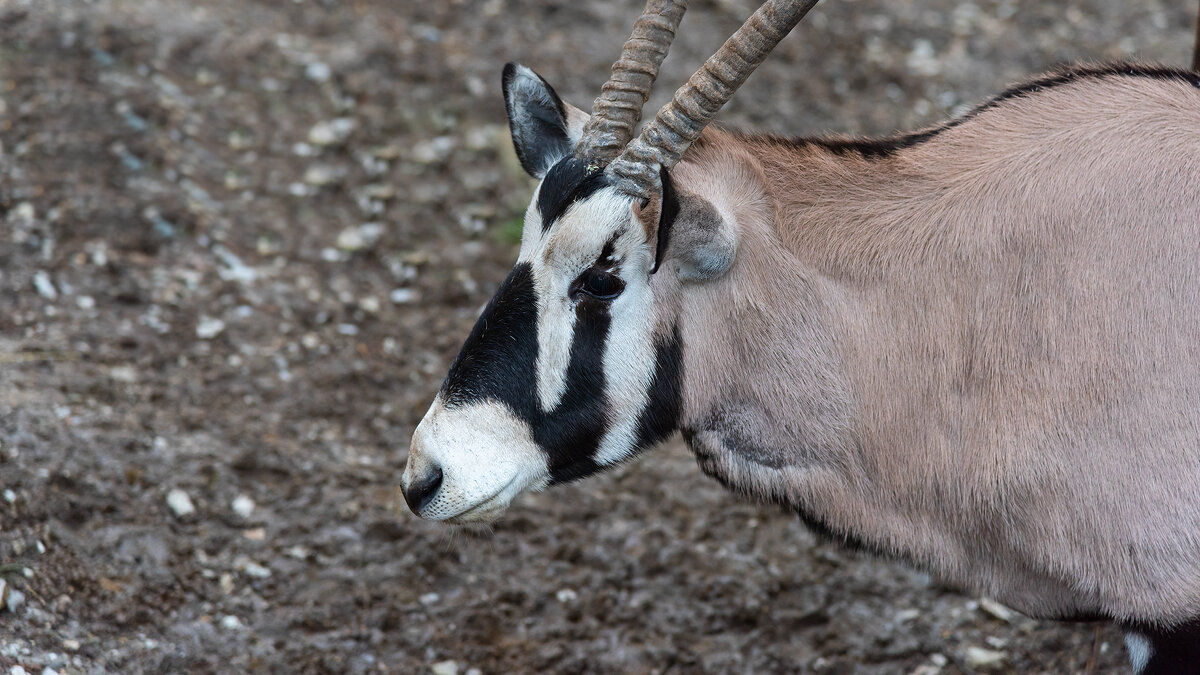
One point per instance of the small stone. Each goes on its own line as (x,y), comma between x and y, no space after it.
(566,595)
(347,329)
(997,610)
(253,569)
(43,285)
(359,238)
(369,304)
(321,175)
(243,506)
(402,296)
(85,302)
(180,503)
(225,583)
(231,622)
(10,496)
(49,671)
(906,615)
(17,670)
(123,373)
(297,553)
(318,72)
(429,599)
(445,668)
(979,657)
(71,645)
(14,600)
(433,151)
(209,327)
(255,534)
(331,132)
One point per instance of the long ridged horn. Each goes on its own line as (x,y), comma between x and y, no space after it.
(679,123)
(619,107)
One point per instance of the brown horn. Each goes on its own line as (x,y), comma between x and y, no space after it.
(619,107)
(679,122)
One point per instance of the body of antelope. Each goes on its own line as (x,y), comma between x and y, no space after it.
(975,347)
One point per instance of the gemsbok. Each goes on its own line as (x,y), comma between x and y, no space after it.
(974,347)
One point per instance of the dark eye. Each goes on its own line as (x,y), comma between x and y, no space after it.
(598,284)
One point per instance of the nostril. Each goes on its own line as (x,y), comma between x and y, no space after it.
(422,491)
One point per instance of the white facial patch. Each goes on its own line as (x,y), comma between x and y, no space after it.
(558,257)
(487,457)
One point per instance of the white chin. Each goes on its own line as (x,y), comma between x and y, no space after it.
(487,457)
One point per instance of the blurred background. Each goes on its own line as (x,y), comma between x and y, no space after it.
(241,241)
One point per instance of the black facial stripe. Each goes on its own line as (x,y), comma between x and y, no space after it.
(565,183)
(498,362)
(661,416)
(572,431)
(498,359)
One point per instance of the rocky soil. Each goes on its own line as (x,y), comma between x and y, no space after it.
(241,241)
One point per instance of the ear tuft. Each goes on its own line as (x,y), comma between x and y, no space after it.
(537,119)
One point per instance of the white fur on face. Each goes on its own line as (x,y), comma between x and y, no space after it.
(487,457)
(558,257)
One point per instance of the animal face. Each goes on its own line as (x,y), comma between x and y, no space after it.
(570,368)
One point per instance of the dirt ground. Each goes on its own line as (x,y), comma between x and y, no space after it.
(241,241)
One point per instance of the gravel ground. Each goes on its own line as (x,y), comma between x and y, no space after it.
(242,240)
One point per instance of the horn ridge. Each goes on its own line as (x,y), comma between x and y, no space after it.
(679,123)
(619,107)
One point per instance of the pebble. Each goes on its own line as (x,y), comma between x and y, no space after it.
(10,496)
(209,327)
(243,506)
(231,622)
(331,132)
(318,71)
(979,657)
(429,599)
(17,670)
(14,600)
(402,296)
(997,610)
(85,302)
(253,569)
(360,237)
(445,668)
(433,151)
(180,503)
(45,287)
(320,175)
(566,595)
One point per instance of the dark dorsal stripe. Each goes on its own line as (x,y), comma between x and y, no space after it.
(565,183)
(880,148)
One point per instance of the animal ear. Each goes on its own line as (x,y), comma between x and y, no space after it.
(693,238)
(544,129)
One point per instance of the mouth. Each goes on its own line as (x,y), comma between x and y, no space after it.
(486,511)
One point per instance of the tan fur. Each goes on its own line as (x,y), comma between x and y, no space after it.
(981,354)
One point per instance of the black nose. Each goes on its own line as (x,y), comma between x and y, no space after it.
(421,491)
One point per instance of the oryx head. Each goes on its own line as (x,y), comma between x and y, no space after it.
(575,364)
